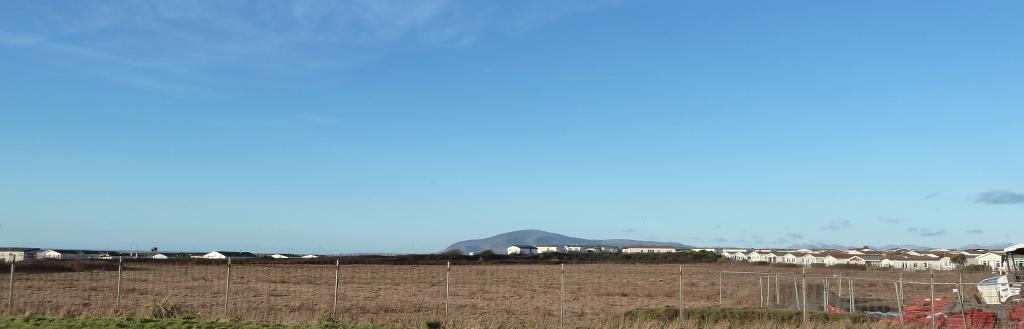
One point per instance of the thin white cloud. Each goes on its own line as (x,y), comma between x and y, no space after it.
(187,42)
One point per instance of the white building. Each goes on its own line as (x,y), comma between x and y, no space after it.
(575,248)
(172,255)
(228,255)
(917,263)
(991,260)
(521,250)
(735,254)
(648,249)
(10,255)
(285,256)
(765,256)
(547,249)
(69,254)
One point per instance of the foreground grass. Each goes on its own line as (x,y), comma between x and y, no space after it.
(47,323)
(621,323)
(647,318)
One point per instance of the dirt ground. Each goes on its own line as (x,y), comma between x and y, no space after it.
(508,295)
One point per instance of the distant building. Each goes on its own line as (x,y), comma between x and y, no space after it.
(521,250)
(640,249)
(115,255)
(575,248)
(917,263)
(991,260)
(175,255)
(735,254)
(12,254)
(711,250)
(546,249)
(285,256)
(69,254)
(229,255)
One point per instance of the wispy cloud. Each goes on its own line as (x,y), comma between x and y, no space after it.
(836,225)
(975,231)
(932,195)
(629,230)
(189,42)
(794,236)
(999,197)
(891,220)
(926,232)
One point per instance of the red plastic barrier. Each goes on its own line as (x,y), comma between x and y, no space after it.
(975,319)
(1017,313)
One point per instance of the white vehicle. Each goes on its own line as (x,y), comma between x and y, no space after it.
(1002,289)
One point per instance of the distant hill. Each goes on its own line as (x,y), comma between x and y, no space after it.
(499,242)
(820,245)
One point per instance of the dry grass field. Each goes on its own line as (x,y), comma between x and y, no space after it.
(498,295)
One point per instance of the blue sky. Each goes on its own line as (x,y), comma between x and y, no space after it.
(402,126)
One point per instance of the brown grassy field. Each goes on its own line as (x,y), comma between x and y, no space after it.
(500,295)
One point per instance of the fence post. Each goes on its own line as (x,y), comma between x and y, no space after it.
(960,293)
(337,284)
(853,297)
(840,288)
(227,289)
(899,296)
(931,288)
(447,289)
(720,289)
(824,294)
(561,297)
(803,289)
(778,298)
(760,288)
(117,303)
(680,315)
(10,291)
(796,293)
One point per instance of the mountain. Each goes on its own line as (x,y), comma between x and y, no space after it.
(499,242)
(997,246)
(820,245)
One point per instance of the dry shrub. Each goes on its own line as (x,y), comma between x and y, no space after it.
(166,310)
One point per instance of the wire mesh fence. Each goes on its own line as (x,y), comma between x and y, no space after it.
(577,295)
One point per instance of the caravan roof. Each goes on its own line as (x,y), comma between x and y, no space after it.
(1014,248)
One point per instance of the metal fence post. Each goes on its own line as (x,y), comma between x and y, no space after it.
(10,291)
(760,288)
(561,297)
(803,289)
(931,287)
(778,298)
(680,315)
(117,302)
(899,296)
(337,284)
(824,294)
(853,298)
(840,288)
(796,294)
(960,293)
(720,289)
(227,290)
(447,289)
